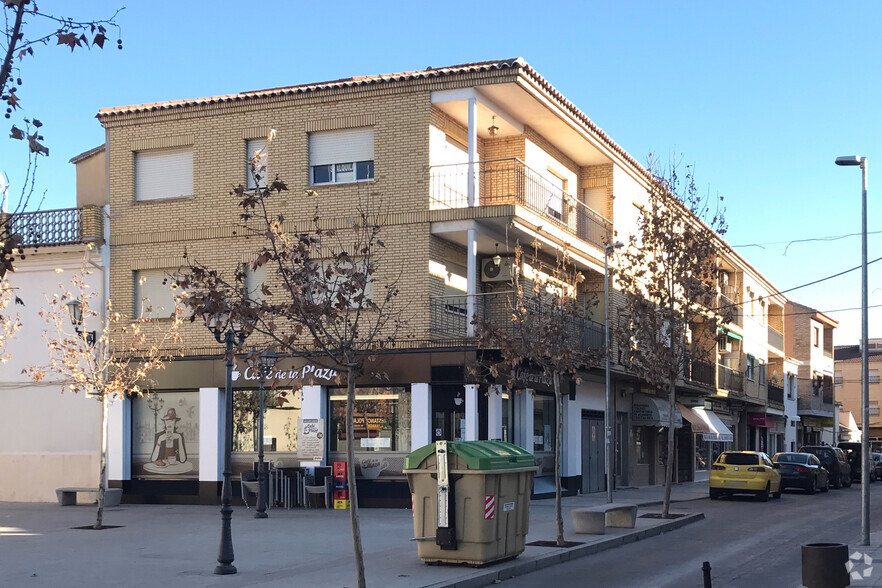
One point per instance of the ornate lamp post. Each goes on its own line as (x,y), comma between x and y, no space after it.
(228,332)
(265,363)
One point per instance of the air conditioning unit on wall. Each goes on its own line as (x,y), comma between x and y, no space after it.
(493,272)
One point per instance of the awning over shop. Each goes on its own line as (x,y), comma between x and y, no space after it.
(699,425)
(649,411)
(729,333)
(718,430)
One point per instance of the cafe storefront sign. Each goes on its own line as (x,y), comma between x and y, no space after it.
(307,372)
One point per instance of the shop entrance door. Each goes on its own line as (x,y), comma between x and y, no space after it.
(593,478)
(449,413)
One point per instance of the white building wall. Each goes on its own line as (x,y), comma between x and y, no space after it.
(49,438)
(791,368)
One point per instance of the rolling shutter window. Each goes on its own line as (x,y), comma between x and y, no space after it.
(163,173)
(251,146)
(345,146)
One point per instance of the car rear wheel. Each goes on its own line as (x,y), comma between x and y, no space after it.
(764,495)
(848,483)
(826,486)
(837,482)
(715,494)
(812,486)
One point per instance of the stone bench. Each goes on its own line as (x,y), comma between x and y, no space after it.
(68,496)
(593,520)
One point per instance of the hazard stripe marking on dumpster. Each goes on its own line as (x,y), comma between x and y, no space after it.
(489,507)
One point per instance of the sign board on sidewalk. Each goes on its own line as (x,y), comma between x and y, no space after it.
(311,440)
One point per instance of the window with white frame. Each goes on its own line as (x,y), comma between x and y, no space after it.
(254,282)
(751,362)
(837,378)
(339,157)
(874,408)
(874,377)
(252,147)
(154,293)
(163,173)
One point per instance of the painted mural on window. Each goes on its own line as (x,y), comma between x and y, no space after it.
(165,435)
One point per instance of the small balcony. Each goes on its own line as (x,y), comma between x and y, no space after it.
(510,181)
(776,338)
(776,396)
(448,318)
(52,228)
(730,307)
(730,379)
(701,372)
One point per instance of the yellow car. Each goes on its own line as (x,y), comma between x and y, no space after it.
(745,472)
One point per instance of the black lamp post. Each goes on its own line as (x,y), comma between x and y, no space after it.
(227,332)
(75,308)
(265,363)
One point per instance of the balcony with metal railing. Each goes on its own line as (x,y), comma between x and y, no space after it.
(701,372)
(776,395)
(510,181)
(730,307)
(730,379)
(66,226)
(448,318)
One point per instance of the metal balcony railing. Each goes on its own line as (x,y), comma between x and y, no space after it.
(510,181)
(701,372)
(776,338)
(64,226)
(730,308)
(776,393)
(448,318)
(729,379)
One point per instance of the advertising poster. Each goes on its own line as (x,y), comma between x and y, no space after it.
(165,436)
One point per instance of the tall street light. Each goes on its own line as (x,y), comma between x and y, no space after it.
(264,364)
(861,161)
(228,332)
(609,414)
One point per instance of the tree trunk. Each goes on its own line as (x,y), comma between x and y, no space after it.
(351,376)
(102,463)
(669,466)
(558,400)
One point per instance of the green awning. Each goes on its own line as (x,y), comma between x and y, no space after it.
(729,333)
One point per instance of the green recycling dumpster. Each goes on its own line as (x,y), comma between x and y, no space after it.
(471,500)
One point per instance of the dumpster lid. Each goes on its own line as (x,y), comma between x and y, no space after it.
(478,455)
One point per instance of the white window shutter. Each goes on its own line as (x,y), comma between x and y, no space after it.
(251,146)
(346,146)
(163,173)
(154,297)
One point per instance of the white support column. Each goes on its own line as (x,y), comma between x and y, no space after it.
(473,196)
(471,413)
(314,405)
(211,425)
(494,413)
(420,415)
(472,281)
(119,440)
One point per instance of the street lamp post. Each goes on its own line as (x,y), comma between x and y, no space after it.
(227,332)
(265,363)
(610,408)
(850,160)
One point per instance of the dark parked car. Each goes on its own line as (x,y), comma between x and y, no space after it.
(853,454)
(834,461)
(802,470)
(877,462)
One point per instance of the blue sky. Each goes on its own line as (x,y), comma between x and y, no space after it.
(761,96)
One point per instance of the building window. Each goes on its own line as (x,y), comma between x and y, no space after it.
(640,445)
(339,157)
(874,377)
(751,362)
(165,435)
(155,293)
(837,378)
(163,173)
(874,408)
(381,419)
(816,338)
(252,146)
(280,416)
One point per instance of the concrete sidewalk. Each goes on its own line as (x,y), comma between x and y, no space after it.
(176,545)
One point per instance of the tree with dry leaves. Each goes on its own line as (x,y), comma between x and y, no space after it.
(115,361)
(667,276)
(324,298)
(10,323)
(27,30)
(548,328)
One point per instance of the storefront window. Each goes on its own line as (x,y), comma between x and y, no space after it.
(381,419)
(640,445)
(543,432)
(165,435)
(281,413)
(507,419)
(701,454)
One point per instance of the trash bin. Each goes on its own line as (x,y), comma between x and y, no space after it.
(824,565)
(484,495)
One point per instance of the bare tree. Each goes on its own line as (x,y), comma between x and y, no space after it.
(546,327)
(26,30)
(112,362)
(667,275)
(325,296)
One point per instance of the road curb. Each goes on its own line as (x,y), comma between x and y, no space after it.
(516,567)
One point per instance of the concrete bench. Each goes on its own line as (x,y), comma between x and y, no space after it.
(68,496)
(593,520)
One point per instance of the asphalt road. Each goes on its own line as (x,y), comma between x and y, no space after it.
(748,544)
